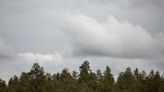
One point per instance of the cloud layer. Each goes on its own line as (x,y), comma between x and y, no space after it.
(118,33)
(112,38)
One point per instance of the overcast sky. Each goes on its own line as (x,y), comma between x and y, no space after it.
(63,33)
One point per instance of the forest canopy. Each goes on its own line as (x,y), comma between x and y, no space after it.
(37,80)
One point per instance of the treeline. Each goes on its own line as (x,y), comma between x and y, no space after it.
(36,80)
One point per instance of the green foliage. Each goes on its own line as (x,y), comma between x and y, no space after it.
(84,73)
(126,81)
(36,80)
(106,82)
(3,86)
(14,84)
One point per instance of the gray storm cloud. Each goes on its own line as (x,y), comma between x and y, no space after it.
(79,30)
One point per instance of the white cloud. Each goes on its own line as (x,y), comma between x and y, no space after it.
(52,62)
(54,58)
(112,38)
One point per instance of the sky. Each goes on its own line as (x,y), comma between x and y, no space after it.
(60,34)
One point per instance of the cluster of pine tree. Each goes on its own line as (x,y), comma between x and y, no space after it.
(36,80)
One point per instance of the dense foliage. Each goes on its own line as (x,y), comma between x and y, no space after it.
(36,80)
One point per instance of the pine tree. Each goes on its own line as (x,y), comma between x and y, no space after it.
(84,77)
(37,78)
(14,85)
(107,83)
(154,82)
(3,86)
(25,82)
(84,72)
(161,89)
(126,81)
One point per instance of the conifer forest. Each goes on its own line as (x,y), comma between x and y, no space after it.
(84,80)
